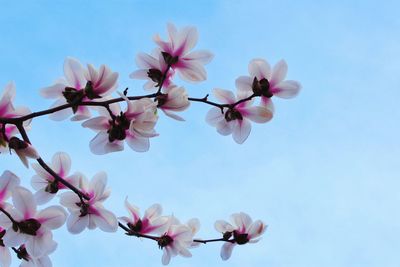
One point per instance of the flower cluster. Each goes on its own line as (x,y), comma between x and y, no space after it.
(26,229)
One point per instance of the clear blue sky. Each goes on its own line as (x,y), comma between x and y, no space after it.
(324,173)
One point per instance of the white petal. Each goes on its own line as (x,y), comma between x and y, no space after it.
(244,83)
(242,220)
(133,210)
(192,71)
(13,239)
(69,200)
(241,131)
(258,114)
(260,68)
(105,220)
(224,96)
(256,229)
(38,182)
(52,217)
(139,74)
(54,91)
(5,257)
(62,114)
(188,37)
(194,225)
(42,262)
(214,116)
(61,163)
(223,226)
(202,56)
(38,246)
(77,224)
(287,89)
(8,181)
(101,145)
(166,257)
(146,61)
(74,73)
(42,197)
(172,115)
(98,184)
(138,144)
(279,72)
(224,127)
(153,212)
(98,123)
(24,201)
(226,250)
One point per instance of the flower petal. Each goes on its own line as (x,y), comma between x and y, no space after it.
(226,250)
(241,131)
(223,226)
(258,114)
(279,72)
(74,73)
(24,202)
(8,181)
(256,229)
(244,83)
(260,68)
(75,223)
(224,96)
(61,163)
(101,145)
(153,212)
(286,89)
(52,217)
(98,184)
(105,220)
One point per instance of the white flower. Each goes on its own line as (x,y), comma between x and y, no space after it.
(236,120)
(243,231)
(45,184)
(151,222)
(89,213)
(135,126)
(176,52)
(173,99)
(266,82)
(29,226)
(80,85)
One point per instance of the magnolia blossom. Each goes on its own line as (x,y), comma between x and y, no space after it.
(135,126)
(151,222)
(8,181)
(89,213)
(45,184)
(243,231)
(177,239)
(79,85)
(176,53)
(23,149)
(29,226)
(236,119)
(173,99)
(152,68)
(7,110)
(266,82)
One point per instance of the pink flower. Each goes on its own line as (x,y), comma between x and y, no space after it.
(236,120)
(89,213)
(44,182)
(80,85)
(151,222)
(176,53)
(7,110)
(177,239)
(135,126)
(173,99)
(266,82)
(23,149)
(243,231)
(152,69)
(29,226)
(8,181)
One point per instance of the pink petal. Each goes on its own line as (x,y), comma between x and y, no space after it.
(214,116)
(13,239)
(61,163)
(74,73)
(97,124)
(223,226)
(105,220)
(187,39)
(287,89)
(153,212)
(241,131)
(139,74)
(98,184)
(54,91)
(224,96)
(258,114)
(52,217)
(194,225)
(5,257)
(146,61)
(83,113)
(101,145)
(191,71)
(201,56)
(133,210)
(226,250)
(224,127)
(279,72)
(166,257)
(260,68)
(42,173)
(42,197)
(69,200)
(172,115)
(256,229)
(39,245)
(138,144)
(24,202)
(244,83)
(8,181)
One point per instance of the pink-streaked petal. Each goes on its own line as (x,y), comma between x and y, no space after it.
(158,225)
(5,257)
(146,61)
(98,184)
(202,56)
(244,83)
(133,210)
(74,73)
(75,223)
(8,181)
(69,200)
(54,91)
(224,96)
(223,226)
(24,201)
(241,131)
(286,89)
(105,220)
(187,39)
(260,68)
(242,221)
(279,72)
(61,163)
(83,113)
(267,102)
(258,114)
(101,145)
(97,124)
(7,98)
(52,217)
(256,229)
(191,71)
(42,173)
(226,250)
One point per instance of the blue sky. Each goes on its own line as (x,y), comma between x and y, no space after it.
(323,174)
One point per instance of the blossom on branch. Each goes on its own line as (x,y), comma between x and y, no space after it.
(89,213)
(266,83)
(151,222)
(243,231)
(79,85)
(236,118)
(176,53)
(25,225)
(135,126)
(46,185)
(173,99)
